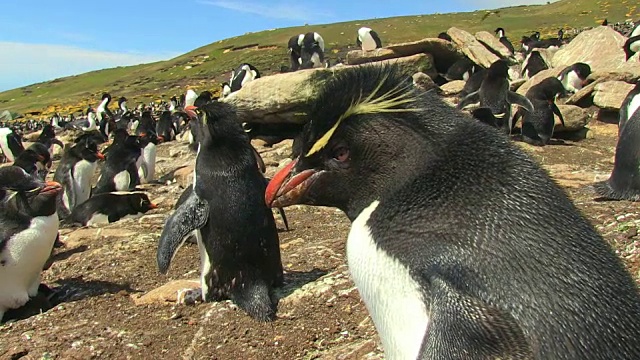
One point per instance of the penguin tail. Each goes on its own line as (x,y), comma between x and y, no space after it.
(256,299)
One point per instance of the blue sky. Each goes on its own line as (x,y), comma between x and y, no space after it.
(42,40)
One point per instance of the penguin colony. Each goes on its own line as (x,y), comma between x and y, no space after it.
(447,287)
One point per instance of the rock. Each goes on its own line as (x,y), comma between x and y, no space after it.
(537,78)
(493,44)
(284,97)
(444,52)
(165,294)
(575,118)
(81,235)
(452,87)
(32,137)
(357,57)
(625,73)
(600,47)
(582,93)
(184,176)
(472,47)
(423,81)
(515,84)
(610,94)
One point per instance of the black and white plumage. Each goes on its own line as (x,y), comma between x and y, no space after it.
(10,144)
(462,69)
(35,160)
(225,91)
(574,77)
(424,186)
(502,36)
(104,116)
(294,48)
(75,171)
(630,105)
(48,138)
(368,39)
(243,74)
(632,45)
(120,170)
(235,230)
(533,64)
(311,50)
(624,182)
(538,125)
(165,128)
(28,230)
(111,207)
(494,94)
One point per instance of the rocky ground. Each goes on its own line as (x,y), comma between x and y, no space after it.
(104,277)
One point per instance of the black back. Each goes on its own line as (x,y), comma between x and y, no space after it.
(443,182)
(122,156)
(309,47)
(114,205)
(35,160)
(240,236)
(295,52)
(538,126)
(535,64)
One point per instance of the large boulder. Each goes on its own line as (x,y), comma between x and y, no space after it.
(493,44)
(610,94)
(284,98)
(537,78)
(575,118)
(472,47)
(600,47)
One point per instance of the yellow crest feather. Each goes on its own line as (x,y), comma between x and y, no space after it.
(386,103)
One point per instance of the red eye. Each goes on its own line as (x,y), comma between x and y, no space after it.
(341,154)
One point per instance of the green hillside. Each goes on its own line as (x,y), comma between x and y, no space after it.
(206,67)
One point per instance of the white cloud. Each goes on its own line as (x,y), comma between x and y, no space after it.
(291,11)
(23,64)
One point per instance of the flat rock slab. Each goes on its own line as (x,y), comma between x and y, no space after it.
(600,47)
(452,87)
(610,94)
(472,47)
(492,43)
(165,294)
(575,118)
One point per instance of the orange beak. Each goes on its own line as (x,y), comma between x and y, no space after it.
(191,111)
(100,155)
(153,206)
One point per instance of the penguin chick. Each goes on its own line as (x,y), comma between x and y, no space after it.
(424,187)
(538,125)
(494,94)
(111,207)
(235,230)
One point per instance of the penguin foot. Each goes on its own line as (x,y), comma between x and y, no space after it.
(607,192)
(256,300)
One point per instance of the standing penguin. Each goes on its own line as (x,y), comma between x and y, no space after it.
(10,144)
(165,128)
(105,116)
(537,126)
(624,182)
(75,171)
(294,48)
(533,64)
(368,39)
(243,74)
(120,171)
(111,207)
(28,230)
(424,187)
(574,77)
(494,94)
(632,45)
(311,50)
(48,138)
(504,41)
(235,230)
(629,106)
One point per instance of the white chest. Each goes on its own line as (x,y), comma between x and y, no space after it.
(82,174)
(393,298)
(633,106)
(122,180)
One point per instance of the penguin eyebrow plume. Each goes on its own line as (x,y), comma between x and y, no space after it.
(385,103)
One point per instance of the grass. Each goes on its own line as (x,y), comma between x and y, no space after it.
(206,67)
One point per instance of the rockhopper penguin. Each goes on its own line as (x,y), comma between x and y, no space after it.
(461,245)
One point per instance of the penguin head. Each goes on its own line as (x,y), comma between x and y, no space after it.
(582,70)
(215,120)
(38,155)
(202,99)
(499,69)
(32,197)
(499,31)
(86,147)
(628,51)
(140,202)
(48,132)
(548,89)
(106,96)
(365,121)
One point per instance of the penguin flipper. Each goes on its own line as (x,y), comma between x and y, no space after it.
(474,97)
(192,214)
(556,111)
(523,102)
(462,324)
(259,160)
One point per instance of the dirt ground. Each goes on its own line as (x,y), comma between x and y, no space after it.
(99,272)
